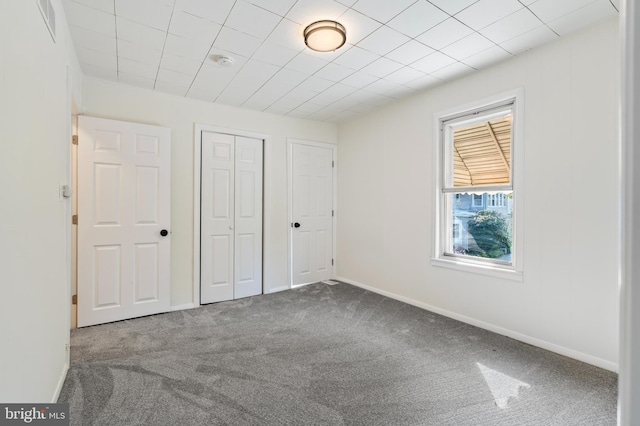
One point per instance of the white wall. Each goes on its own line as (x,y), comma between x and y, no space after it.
(34,221)
(567,301)
(120,102)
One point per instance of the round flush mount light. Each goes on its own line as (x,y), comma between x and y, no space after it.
(325,36)
(223,61)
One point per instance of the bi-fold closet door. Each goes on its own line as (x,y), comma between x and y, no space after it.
(231,217)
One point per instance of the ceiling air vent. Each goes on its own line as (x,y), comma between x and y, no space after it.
(49,15)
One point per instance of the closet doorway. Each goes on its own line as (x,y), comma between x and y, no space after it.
(231,216)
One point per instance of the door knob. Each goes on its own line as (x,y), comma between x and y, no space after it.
(296,225)
(164,232)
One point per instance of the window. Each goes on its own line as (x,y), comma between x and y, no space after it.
(476,187)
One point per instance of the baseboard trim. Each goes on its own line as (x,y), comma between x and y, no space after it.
(571,353)
(183,307)
(58,389)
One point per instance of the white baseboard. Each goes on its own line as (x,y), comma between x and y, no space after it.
(58,389)
(183,307)
(580,356)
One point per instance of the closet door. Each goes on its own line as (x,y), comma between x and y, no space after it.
(248,218)
(231,217)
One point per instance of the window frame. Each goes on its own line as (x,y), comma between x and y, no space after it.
(464,114)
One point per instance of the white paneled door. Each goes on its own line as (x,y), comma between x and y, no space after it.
(124,172)
(312,213)
(231,217)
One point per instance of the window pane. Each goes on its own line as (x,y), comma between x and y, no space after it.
(482,153)
(481,230)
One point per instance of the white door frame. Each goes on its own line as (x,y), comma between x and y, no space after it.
(334,157)
(266,196)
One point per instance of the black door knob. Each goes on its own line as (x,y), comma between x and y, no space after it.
(296,225)
(164,232)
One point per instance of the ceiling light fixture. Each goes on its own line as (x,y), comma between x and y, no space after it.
(325,36)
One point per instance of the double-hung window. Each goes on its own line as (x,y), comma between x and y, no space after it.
(476,195)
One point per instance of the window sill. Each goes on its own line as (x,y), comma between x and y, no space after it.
(476,268)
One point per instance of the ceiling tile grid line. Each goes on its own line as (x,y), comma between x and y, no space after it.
(393,49)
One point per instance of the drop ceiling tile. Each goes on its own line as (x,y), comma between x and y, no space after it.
(92,40)
(140,34)
(549,10)
(305,63)
(257,72)
(189,26)
(487,57)
(511,26)
(453,71)
(138,52)
(215,11)
(288,78)
(236,93)
(410,52)
(98,59)
(138,69)
(179,64)
(444,34)
(358,26)
(356,58)
(250,19)
(333,93)
(418,18)
(305,12)
(382,10)
(317,84)
(400,92)
(616,4)
(237,42)
(287,34)
(301,94)
(383,40)
(348,3)
(136,80)
(382,67)
(99,72)
(215,53)
(171,88)
(308,108)
(189,48)
(279,7)
(275,54)
(359,80)
(147,12)
(486,12)
(529,40)
(470,45)
(404,75)
(590,14)
(211,80)
(283,106)
(527,2)
(90,19)
(452,6)
(334,72)
(381,86)
(105,6)
(176,78)
(433,62)
(424,83)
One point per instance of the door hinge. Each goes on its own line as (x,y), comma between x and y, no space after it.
(333,163)
(74,299)
(333,213)
(331,262)
(74,140)
(74,219)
